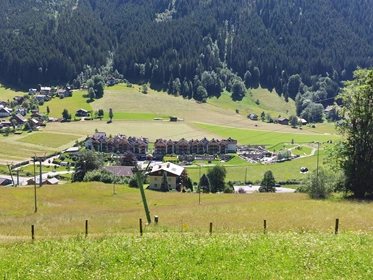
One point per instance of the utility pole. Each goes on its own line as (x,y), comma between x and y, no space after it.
(317,164)
(245,175)
(36,206)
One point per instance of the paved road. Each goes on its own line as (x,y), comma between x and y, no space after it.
(253,189)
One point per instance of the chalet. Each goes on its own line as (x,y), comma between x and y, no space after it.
(18,99)
(121,171)
(283,120)
(81,113)
(32,91)
(21,111)
(4,123)
(5,112)
(302,121)
(3,103)
(37,115)
(19,119)
(253,117)
(5,182)
(172,171)
(40,97)
(111,81)
(45,90)
(63,93)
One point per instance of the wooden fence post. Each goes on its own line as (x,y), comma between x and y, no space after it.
(210,228)
(336,226)
(265,226)
(140,222)
(86,228)
(32,232)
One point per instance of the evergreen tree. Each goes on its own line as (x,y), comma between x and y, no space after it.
(216,177)
(204,184)
(268,183)
(111,114)
(164,183)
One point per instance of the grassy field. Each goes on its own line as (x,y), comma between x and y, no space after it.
(278,134)
(7,93)
(300,241)
(63,209)
(293,255)
(57,105)
(52,140)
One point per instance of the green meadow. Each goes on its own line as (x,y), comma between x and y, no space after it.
(299,241)
(291,255)
(265,138)
(57,105)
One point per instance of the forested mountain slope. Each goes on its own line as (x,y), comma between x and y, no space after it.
(175,42)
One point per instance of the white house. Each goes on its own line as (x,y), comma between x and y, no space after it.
(172,171)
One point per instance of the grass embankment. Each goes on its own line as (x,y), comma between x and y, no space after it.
(193,256)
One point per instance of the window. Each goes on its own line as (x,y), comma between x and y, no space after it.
(155,186)
(155,179)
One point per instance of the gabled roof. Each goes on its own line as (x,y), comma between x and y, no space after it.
(169,168)
(19,118)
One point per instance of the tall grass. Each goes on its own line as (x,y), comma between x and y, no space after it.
(291,255)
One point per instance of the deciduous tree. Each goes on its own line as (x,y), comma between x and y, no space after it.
(355,154)
(216,177)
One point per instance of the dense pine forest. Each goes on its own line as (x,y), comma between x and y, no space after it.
(194,48)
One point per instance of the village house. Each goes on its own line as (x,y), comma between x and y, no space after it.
(111,81)
(45,90)
(283,121)
(172,171)
(253,117)
(5,123)
(40,97)
(5,112)
(81,113)
(18,99)
(64,93)
(3,103)
(19,119)
(22,111)
(32,91)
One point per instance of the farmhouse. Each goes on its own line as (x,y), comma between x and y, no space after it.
(81,113)
(40,97)
(172,171)
(5,112)
(253,117)
(32,91)
(45,90)
(283,120)
(19,119)
(18,99)
(117,144)
(64,93)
